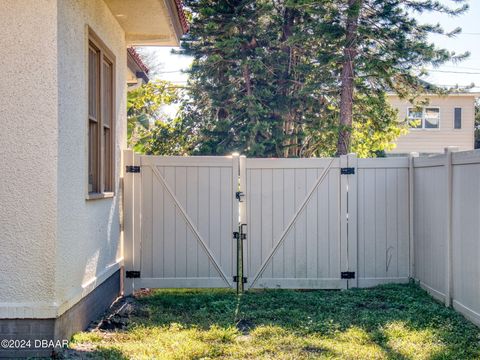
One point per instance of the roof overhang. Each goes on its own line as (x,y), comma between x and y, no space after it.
(150,22)
(138,71)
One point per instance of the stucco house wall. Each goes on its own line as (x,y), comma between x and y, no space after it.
(61,245)
(28,157)
(88,241)
(435,140)
(61,250)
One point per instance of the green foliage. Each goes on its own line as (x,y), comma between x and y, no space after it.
(386,322)
(165,137)
(265,80)
(149,130)
(375,128)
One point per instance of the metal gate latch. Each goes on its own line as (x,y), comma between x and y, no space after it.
(238,196)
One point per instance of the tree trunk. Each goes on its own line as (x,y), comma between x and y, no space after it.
(246,78)
(288,124)
(347,77)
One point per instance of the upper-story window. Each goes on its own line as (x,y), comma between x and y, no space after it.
(101,118)
(457,118)
(424,117)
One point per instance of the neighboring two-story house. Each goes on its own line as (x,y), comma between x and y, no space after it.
(447,120)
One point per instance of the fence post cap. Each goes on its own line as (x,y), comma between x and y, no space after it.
(451,149)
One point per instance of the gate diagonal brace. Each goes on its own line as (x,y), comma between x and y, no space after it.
(190,224)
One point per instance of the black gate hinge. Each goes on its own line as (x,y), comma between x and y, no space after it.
(237,235)
(244,279)
(347,275)
(133,169)
(132,274)
(347,171)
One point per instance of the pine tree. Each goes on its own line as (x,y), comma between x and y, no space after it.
(295,78)
(386,46)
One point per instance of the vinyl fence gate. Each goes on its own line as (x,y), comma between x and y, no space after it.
(264,223)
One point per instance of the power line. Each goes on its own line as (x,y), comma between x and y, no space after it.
(456,85)
(460,67)
(170,72)
(454,72)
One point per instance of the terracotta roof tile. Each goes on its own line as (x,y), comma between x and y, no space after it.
(181,16)
(138,60)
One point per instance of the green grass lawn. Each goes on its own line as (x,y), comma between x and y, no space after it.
(387,322)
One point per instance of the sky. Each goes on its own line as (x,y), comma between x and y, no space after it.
(467,71)
(462,74)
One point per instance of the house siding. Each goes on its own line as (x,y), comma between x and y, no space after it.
(435,140)
(88,247)
(29,130)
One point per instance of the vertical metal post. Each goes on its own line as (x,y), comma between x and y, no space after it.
(240,276)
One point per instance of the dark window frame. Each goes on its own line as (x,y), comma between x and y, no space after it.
(457,121)
(101,119)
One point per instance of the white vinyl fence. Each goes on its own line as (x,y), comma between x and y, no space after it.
(180,213)
(447,229)
(383,221)
(306,223)
(294,235)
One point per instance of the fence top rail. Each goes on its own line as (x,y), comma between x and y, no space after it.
(294,163)
(458,158)
(218,161)
(466,157)
(383,163)
(429,161)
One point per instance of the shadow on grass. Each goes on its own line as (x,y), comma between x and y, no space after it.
(400,321)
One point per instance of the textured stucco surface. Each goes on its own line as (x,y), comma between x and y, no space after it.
(28,155)
(88,243)
(56,245)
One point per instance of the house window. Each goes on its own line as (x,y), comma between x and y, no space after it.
(457,118)
(424,117)
(101,118)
